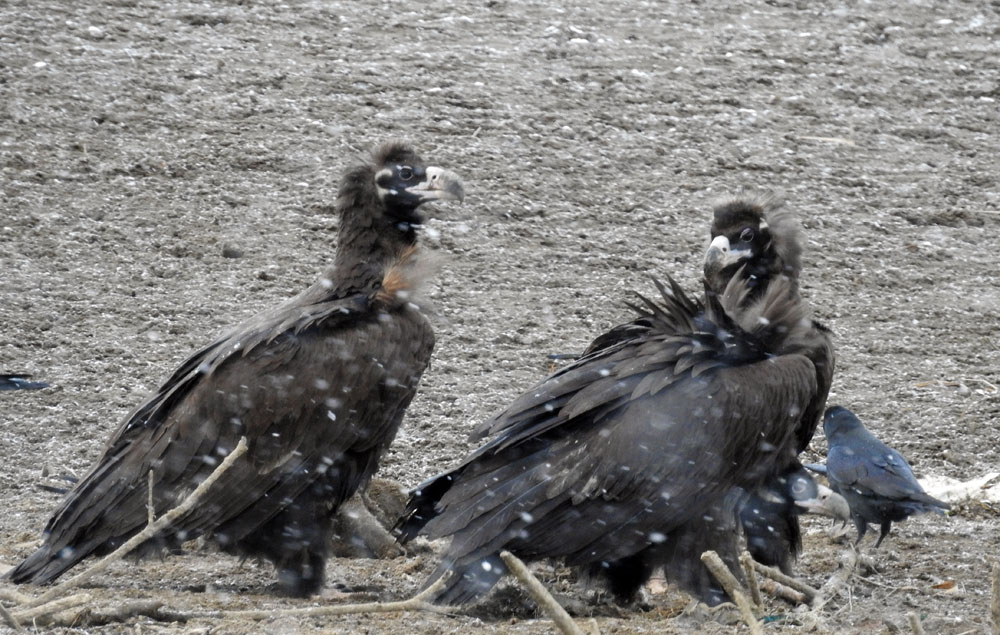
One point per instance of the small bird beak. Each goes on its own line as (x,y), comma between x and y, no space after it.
(827,503)
(439,185)
(819,468)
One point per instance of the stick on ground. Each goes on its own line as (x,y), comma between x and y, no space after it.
(995,601)
(563,621)
(747,561)
(785,580)
(154,609)
(419,602)
(150,510)
(9,619)
(848,563)
(778,590)
(161,523)
(29,614)
(732,587)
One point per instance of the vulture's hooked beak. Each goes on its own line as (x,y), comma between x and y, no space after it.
(827,503)
(438,185)
(720,255)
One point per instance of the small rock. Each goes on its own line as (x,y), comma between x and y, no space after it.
(231,251)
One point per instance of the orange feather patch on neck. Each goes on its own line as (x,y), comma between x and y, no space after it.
(400,277)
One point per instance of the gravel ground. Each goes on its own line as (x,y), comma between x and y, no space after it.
(168,169)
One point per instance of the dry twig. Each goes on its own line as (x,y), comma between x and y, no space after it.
(732,587)
(995,599)
(563,621)
(150,511)
(797,585)
(419,602)
(778,590)
(9,619)
(148,532)
(14,596)
(100,615)
(747,561)
(847,563)
(30,614)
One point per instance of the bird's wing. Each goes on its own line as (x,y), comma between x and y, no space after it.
(656,457)
(324,428)
(663,335)
(894,479)
(293,316)
(226,390)
(873,471)
(823,358)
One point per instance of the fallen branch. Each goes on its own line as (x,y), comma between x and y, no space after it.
(150,510)
(732,586)
(780,591)
(30,614)
(14,596)
(419,602)
(747,561)
(848,563)
(148,532)
(99,616)
(9,619)
(785,580)
(995,599)
(563,621)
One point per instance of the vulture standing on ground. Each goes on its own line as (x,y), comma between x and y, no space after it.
(318,386)
(876,480)
(758,239)
(603,462)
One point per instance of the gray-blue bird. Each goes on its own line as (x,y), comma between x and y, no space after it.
(876,480)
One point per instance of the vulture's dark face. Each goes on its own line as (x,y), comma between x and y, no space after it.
(740,238)
(404,183)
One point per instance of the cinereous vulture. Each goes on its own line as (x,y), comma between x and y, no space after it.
(603,461)
(318,385)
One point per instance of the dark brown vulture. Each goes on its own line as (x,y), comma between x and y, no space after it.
(758,239)
(318,385)
(612,462)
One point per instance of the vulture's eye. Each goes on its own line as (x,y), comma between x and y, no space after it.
(405,173)
(747,235)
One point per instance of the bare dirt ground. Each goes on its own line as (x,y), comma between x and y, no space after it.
(143,145)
